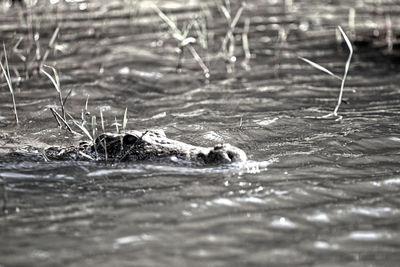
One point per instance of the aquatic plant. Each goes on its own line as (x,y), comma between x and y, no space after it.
(91,131)
(81,127)
(56,82)
(94,127)
(31,53)
(95,135)
(116,124)
(50,46)
(343,79)
(125,119)
(184,40)
(7,76)
(103,143)
(200,27)
(389,33)
(245,45)
(124,122)
(60,119)
(85,113)
(228,43)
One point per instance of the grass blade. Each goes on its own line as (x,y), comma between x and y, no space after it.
(350,49)
(86,103)
(67,96)
(59,118)
(237,16)
(102,120)
(346,69)
(104,143)
(94,127)
(245,44)
(201,63)
(201,31)
(83,129)
(319,67)
(116,125)
(57,78)
(176,32)
(7,76)
(50,46)
(56,83)
(95,136)
(125,120)
(6,61)
(226,13)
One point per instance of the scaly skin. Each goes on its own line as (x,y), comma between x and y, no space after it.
(152,145)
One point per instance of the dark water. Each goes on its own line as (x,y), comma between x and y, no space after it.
(314,193)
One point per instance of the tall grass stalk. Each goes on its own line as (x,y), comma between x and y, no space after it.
(201,30)
(228,43)
(184,40)
(245,44)
(125,119)
(104,143)
(389,33)
(124,122)
(118,131)
(85,112)
(32,54)
(56,82)
(43,153)
(81,127)
(343,79)
(7,76)
(116,124)
(346,70)
(352,21)
(176,33)
(102,121)
(17,51)
(49,47)
(51,43)
(95,135)
(67,96)
(94,127)
(319,67)
(59,118)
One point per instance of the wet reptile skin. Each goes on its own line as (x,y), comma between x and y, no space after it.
(148,145)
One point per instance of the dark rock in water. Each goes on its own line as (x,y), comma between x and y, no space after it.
(151,145)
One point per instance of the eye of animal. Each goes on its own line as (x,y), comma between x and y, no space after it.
(129,139)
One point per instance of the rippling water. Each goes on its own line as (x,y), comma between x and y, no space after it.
(315,192)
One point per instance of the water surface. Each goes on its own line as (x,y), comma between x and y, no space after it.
(316,192)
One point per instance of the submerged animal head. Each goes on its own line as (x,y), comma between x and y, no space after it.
(225,153)
(153,144)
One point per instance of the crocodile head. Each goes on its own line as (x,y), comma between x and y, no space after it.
(154,144)
(224,153)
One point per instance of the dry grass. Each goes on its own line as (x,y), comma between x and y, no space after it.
(343,79)
(6,72)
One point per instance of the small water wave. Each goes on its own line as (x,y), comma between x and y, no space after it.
(251,167)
